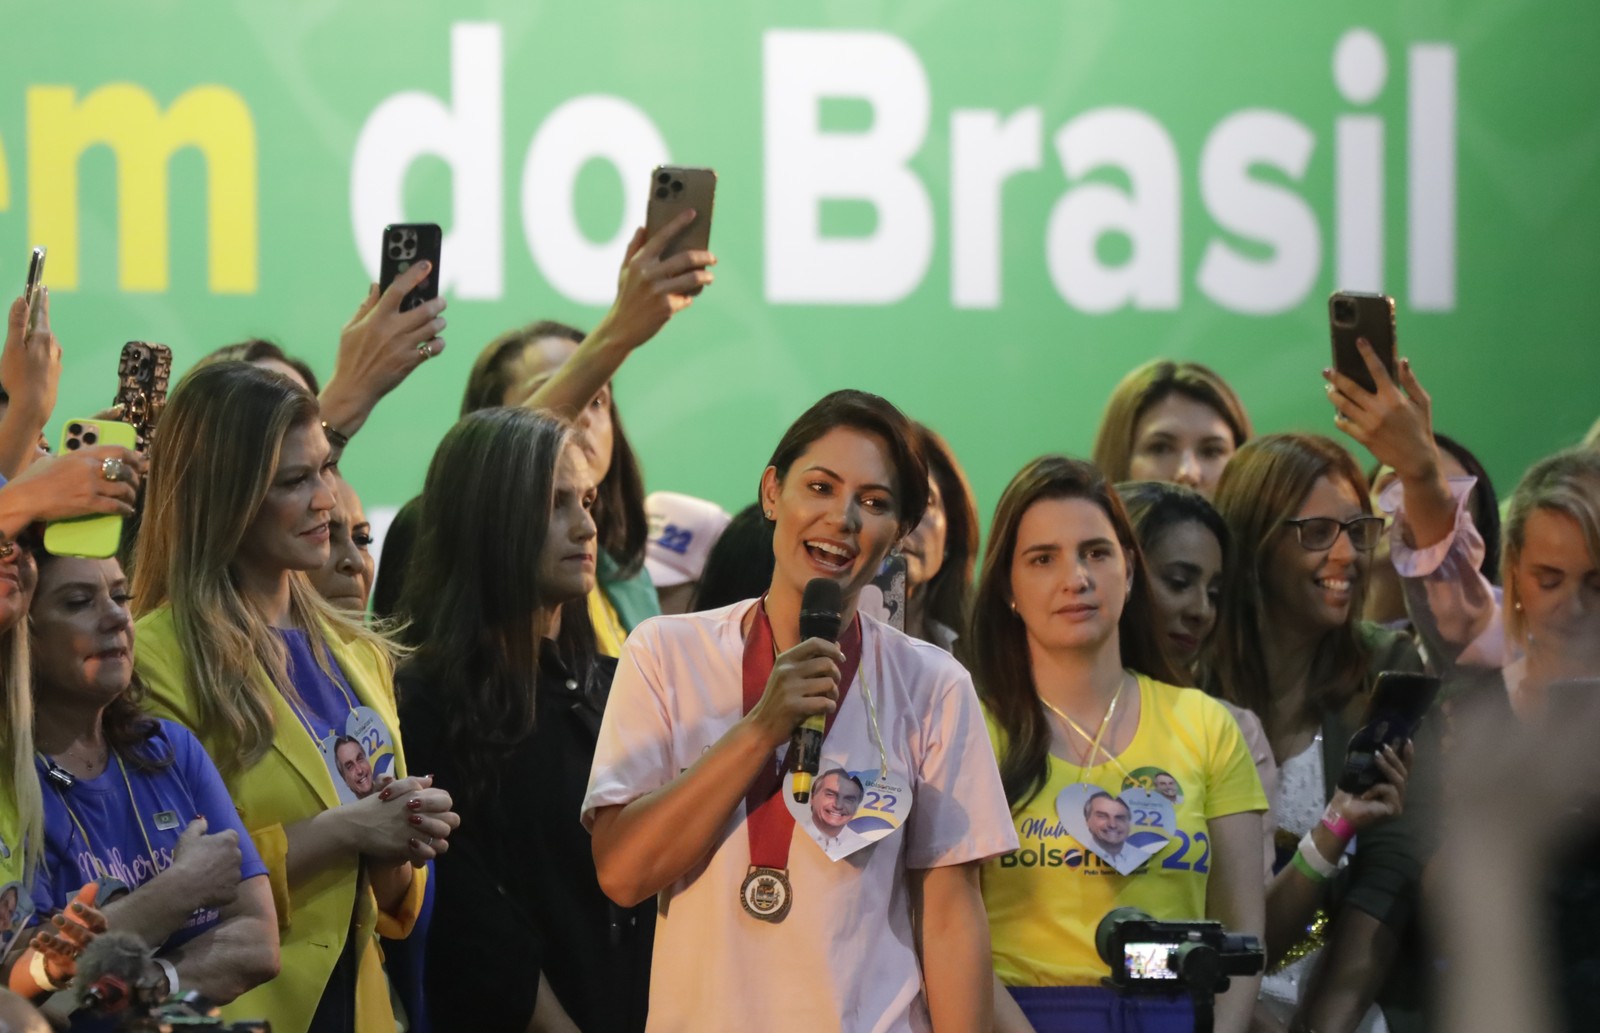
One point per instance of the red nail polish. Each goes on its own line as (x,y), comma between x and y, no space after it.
(384,795)
(415,844)
(414,804)
(416,819)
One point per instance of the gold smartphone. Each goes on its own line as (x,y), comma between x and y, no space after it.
(30,290)
(1353,315)
(674,188)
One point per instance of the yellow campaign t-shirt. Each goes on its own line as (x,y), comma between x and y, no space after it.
(1187,763)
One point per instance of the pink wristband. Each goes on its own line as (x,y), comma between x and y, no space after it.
(1338,824)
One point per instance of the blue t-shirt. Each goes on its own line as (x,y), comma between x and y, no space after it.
(327,702)
(163,803)
(356,744)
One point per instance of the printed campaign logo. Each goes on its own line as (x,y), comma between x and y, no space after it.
(849,810)
(362,759)
(1125,830)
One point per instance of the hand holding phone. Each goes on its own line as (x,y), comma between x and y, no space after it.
(1394,714)
(1356,316)
(30,365)
(30,290)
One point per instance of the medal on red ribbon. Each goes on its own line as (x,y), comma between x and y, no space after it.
(766,893)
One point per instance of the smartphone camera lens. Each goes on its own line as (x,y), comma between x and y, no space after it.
(677,187)
(1344,312)
(90,437)
(661,193)
(73,444)
(664,177)
(394,251)
(75,429)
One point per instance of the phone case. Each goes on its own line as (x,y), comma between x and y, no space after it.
(1394,714)
(674,188)
(1352,315)
(142,375)
(405,244)
(96,537)
(30,290)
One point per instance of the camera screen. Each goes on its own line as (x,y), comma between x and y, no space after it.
(1148,960)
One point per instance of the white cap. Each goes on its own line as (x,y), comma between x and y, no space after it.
(682,531)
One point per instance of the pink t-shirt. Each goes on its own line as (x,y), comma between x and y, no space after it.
(843,959)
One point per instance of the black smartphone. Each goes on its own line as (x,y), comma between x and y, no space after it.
(30,290)
(1353,315)
(142,375)
(404,245)
(1394,713)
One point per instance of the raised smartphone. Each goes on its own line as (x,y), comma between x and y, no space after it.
(674,188)
(30,290)
(1394,713)
(142,374)
(404,245)
(1353,315)
(96,537)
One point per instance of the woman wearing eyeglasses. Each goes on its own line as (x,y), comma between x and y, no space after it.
(1289,646)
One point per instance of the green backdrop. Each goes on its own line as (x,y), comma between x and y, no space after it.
(987,212)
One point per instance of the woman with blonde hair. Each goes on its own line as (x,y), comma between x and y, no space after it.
(237,645)
(1171,421)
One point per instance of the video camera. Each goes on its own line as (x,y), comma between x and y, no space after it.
(1196,956)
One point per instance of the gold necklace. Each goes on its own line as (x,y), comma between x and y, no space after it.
(1105,722)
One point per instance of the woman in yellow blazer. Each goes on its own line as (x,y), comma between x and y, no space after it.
(293,699)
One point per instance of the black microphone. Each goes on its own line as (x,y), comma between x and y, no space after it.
(819,618)
(110,972)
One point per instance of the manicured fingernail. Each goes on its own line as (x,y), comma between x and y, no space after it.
(414,804)
(416,819)
(384,795)
(416,844)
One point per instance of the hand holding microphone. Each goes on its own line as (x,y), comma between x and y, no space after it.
(820,620)
(804,684)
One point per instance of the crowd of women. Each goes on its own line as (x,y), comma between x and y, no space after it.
(494,789)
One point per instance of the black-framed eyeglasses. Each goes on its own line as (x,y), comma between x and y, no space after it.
(1319,533)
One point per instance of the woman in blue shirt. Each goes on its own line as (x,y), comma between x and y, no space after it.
(134,802)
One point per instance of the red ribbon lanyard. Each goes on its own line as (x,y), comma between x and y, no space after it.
(769,822)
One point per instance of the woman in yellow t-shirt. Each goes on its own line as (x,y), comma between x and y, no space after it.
(1125,789)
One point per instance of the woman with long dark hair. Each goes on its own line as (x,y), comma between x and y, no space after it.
(783,909)
(1290,646)
(503,699)
(1126,790)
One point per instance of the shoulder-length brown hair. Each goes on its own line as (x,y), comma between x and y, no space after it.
(1149,384)
(1264,485)
(997,646)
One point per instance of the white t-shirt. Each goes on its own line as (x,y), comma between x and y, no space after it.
(843,959)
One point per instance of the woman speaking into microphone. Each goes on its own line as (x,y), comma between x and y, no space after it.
(770,917)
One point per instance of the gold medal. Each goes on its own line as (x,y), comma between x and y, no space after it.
(766,893)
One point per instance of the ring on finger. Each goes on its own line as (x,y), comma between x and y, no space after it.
(113,469)
(426,348)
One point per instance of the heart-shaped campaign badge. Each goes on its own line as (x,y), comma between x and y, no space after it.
(1124,831)
(848,809)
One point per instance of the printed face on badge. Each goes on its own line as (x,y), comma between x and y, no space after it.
(849,808)
(362,759)
(1125,830)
